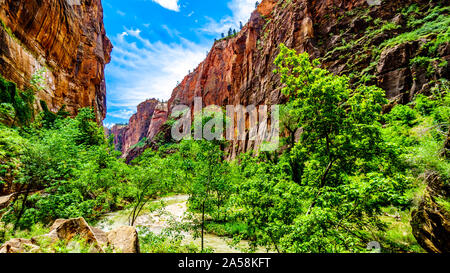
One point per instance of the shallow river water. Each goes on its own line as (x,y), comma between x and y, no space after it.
(174,209)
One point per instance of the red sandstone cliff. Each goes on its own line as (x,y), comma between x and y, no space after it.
(239,70)
(118,130)
(145,124)
(68,38)
(343,34)
(139,123)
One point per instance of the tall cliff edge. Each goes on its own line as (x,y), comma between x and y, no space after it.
(64,38)
(373,42)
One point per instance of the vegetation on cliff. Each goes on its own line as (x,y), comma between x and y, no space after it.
(334,190)
(355,174)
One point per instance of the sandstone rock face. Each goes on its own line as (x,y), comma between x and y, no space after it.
(158,119)
(139,123)
(68,39)
(118,130)
(124,240)
(431,222)
(5,200)
(146,123)
(239,70)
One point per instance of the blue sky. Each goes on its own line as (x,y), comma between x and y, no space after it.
(156,43)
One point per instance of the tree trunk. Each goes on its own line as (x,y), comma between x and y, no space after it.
(22,209)
(203,225)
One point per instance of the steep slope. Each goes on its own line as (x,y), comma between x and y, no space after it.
(145,124)
(431,221)
(397,45)
(67,39)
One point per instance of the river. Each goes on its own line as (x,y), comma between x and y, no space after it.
(174,208)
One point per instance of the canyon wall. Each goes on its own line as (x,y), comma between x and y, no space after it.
(145,124)
(357,38)
(64,38)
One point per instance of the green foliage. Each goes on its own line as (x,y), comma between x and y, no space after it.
(16,107)
(163,243)
(12,147)
(344,167)
(402,114)
(140,144)
(89,133)
(71,162)
(331,190)
(437,21)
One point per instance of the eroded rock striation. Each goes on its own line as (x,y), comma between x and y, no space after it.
(64,38)
(143,126)
(351,37)
(358,38)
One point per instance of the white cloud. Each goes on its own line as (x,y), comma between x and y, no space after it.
(241,11)
(108,125)
(122,114)
(172,32)
(143,69)
(169,4)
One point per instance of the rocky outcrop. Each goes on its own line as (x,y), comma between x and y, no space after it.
(158,119)
(19,246)
(64,38)
(343,34)
(143,125)
(431,221)
(118,131)
(66,230)
(121,240)
(5,200)
(139,124)
(124,240)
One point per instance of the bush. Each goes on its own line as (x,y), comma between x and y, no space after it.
(403,114)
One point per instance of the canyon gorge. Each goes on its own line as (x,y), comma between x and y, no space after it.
(398,46)
(239,69)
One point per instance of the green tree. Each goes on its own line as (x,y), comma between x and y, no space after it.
(343,164)
(16,106)
(209,182)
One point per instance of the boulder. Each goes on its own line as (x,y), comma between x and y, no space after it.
(121,240)
(67,229)
(396,83)
(67,38)
(19,246)
(124,240)
(5,200)
(100,235)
